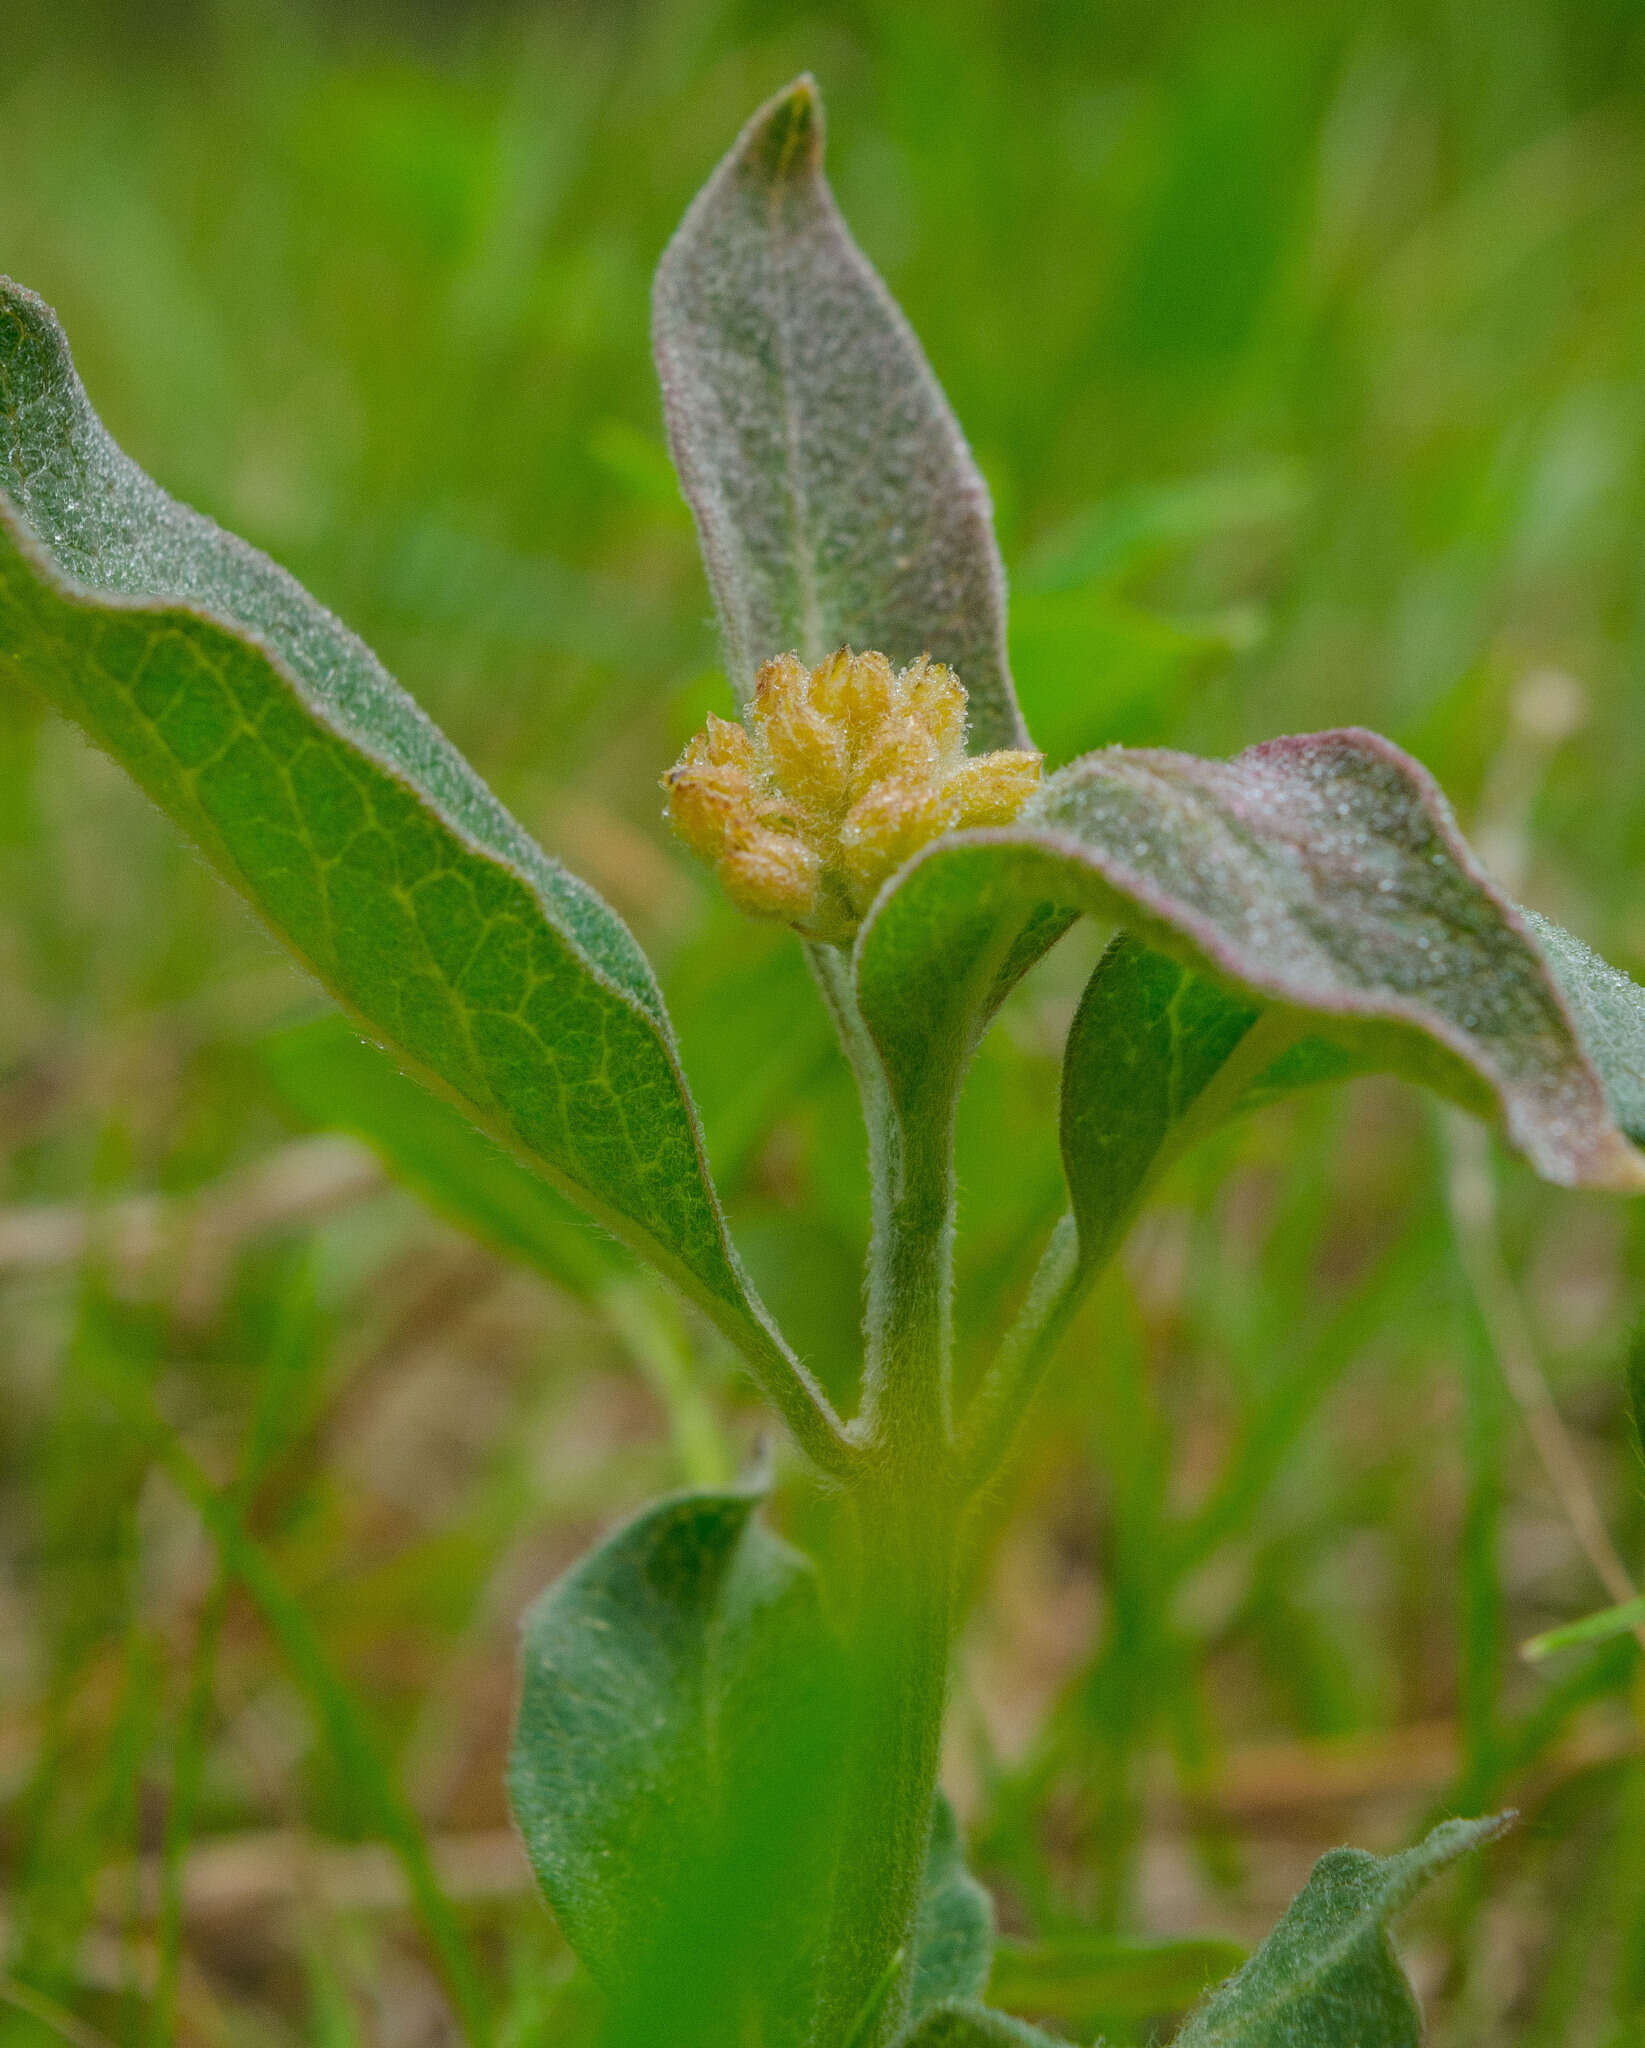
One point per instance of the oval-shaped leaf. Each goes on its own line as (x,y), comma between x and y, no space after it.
(672,1766)
(1327,1975)
(835,498)
(1323,874)
(277,741)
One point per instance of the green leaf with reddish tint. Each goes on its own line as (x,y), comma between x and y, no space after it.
(672,1771)
(315,785)
(1321,876)
(835,498)
(1327,1976)
(1609,1009)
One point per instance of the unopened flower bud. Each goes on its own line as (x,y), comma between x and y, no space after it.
(901,750)
(806,751)
(843,773)
(935,698)
(709,806)
(774,874)
(855,690)
(893,821)
(990,789)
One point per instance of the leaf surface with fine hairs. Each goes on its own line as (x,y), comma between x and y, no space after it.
(277,741)
(1327,1975)
(1321,876)
(962,2024)
(954,1936)
(835,498)
(672,1770)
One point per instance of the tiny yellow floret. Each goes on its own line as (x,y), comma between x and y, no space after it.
(841,774)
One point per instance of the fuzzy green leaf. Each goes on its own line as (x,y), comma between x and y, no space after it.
(963,2024)
(275,739)
(954,1937)
(1147,1040)
(1323,875)
(1609,1009)
(672,1765)
(1327,1976)
(835,498)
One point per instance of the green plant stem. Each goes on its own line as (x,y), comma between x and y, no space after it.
(910,1261)
(787,1386)
(900,1648)
(906,1526)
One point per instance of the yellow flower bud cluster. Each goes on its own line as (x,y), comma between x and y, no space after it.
(840,774)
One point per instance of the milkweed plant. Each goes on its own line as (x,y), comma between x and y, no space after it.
(725,1761)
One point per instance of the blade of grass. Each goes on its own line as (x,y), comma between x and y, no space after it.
(1627,1618)
(188,1759)
(294,1350)
(351,1740)
(333,1705)
(1471,1197)
(1480,1617)
(1274,1427)
(55,2018)
(87,1476)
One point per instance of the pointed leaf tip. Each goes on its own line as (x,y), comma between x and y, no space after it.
(784,140)
(836,501)
(1327,1974)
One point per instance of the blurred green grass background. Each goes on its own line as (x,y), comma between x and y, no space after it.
(1303,346)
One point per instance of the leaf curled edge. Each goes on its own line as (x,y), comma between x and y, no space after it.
(835,498)
(272,735)
(1323,874)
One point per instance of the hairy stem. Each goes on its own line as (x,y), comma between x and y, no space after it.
(900,1645)
(906,1528)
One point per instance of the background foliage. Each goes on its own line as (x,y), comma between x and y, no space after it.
(1304,348)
